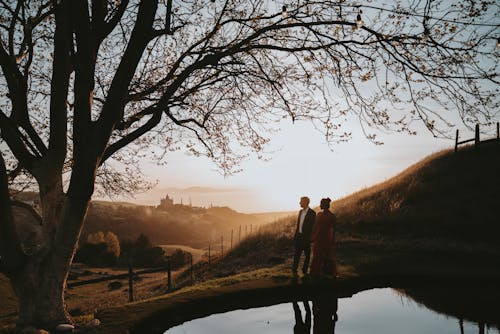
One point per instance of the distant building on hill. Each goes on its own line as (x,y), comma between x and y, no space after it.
(166,203)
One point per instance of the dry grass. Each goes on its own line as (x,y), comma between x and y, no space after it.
(444,195)
(86,299)
(438,217)
(196,252)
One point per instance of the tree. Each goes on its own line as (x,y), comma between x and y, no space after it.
(95,238)
(91,87)
(112,243)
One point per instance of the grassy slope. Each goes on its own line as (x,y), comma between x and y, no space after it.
(438,219)
(443,195)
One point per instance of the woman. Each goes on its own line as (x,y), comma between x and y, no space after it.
(323,237)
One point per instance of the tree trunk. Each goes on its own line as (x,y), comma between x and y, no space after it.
(40,284)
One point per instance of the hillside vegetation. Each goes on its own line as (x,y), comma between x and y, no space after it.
(179,224)
(446,194)
(439,213)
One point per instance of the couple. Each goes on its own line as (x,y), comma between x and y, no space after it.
(318,229)
(324,308)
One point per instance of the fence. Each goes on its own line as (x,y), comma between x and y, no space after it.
(211,253)
(477,141)
(130,275)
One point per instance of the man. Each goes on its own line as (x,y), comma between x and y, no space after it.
(305,223)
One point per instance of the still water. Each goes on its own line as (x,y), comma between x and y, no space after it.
(374,311)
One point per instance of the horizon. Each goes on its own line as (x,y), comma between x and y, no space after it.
(292,171)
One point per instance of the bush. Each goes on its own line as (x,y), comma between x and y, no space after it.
(141,252)
(95,255)
(179,258)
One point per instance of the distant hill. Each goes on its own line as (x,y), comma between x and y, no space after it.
(446,194)
(179,224)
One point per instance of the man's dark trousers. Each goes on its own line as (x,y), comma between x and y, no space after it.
(302,244)
(303,240)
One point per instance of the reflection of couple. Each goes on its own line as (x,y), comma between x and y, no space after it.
(318,229)
(325,316)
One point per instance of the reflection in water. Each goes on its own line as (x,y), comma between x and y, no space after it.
(476,303)
(375,311)
(325,314)
(302,327)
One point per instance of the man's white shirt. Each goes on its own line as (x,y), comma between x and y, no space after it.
(303,213)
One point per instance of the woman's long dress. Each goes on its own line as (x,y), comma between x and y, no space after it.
(323,236)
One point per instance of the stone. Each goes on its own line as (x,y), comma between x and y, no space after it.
(65,328)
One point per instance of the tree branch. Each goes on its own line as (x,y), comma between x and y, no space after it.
(112,110)
(18,91)
(149,125)
(59,85)
(106,28)
(13,138)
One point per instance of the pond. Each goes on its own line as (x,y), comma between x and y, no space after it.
(373,311)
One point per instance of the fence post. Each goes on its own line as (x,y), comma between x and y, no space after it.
(221,246)
(498,130)
(191,265)
(251,228)
(209,255)
(130,283)
(169,274)
(239,235)
(456,141)
(231,247)
(476,138)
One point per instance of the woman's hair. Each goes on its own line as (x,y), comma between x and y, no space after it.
(325,203)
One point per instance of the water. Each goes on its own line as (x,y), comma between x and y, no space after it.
(374,311)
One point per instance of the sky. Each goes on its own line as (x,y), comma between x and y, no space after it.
(302,165)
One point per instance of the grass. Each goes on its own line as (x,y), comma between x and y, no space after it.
(447,195)
(196,252)
(435,220)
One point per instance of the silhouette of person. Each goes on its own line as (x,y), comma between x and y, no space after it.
(305,223)
(302,327)
(325,314)
(323,237)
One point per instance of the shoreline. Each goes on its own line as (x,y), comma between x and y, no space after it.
(159,314)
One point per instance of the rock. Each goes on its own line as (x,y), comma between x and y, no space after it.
(115,285)
(65,328)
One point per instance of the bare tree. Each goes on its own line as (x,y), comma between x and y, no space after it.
(91,87)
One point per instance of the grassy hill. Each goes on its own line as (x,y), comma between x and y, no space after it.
(446,194)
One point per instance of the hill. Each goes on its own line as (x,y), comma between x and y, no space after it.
(177,224)
(180,224)
(446,194)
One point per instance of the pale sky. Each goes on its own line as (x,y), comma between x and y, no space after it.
(302,165)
